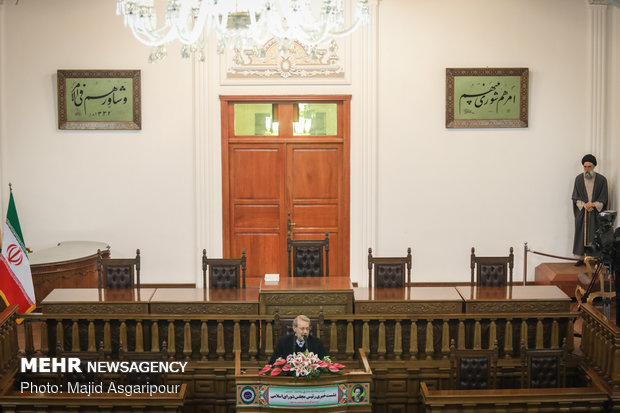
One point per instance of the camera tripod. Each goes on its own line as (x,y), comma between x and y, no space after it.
(604,271)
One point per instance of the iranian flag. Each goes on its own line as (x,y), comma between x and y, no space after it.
(15,278)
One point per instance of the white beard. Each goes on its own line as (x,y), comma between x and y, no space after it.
(589,174)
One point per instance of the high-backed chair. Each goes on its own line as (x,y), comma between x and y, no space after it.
(543,368)
(308,258)
(492,271)
(473,369)
(118,273)
(389,271)
(223,272)
(284,325)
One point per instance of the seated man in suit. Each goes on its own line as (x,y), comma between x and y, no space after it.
(298,342)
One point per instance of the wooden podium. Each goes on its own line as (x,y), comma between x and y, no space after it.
(348,392)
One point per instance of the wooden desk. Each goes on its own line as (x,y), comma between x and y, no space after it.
(568,399)
(306,295)
(515,299)
(97,301)
(205,301)
(407,300)
(69,264)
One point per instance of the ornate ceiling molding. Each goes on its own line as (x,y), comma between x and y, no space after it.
(296,62)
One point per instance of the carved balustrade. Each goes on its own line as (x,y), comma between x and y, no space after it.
(426,337)
(384,337)
(8,340)
(600,344)
(190,337)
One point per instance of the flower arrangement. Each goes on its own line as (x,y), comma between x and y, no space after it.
(300,364)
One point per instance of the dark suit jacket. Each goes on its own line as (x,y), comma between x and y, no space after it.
(288,345)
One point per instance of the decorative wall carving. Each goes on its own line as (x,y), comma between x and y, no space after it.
(298,61)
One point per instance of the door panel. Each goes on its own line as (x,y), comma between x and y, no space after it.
(263,252)
(257,206)
(316,216)
(315,176)
(256,173)
(315,172)
(257,217)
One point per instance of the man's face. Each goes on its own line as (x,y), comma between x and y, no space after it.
(302,329)
(588,166)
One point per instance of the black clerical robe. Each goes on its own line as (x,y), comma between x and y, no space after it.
(599,194)
(288,345)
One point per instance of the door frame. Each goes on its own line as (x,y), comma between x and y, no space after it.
(343,136)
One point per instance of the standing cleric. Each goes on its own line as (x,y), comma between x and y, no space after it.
(589,199)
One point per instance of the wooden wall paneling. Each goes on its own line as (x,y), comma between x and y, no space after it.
(315,188)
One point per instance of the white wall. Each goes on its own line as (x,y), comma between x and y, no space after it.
(131,189)
(440,191)
(443,191)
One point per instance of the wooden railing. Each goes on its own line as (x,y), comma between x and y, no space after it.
(600,344)
(429,336)
(8,339)
(216,337)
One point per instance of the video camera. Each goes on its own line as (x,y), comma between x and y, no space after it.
(606,249)
(606,244)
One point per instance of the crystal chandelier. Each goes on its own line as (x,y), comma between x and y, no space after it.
(240,24)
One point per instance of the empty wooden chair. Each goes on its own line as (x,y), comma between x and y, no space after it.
(308,258)
(118,273)
(473,369)
(223,272)
(389,271)
(543,368)
(492,271)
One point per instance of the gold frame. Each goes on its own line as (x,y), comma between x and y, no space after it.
(103,119)
(482,122)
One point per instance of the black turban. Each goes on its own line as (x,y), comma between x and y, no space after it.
(588,158)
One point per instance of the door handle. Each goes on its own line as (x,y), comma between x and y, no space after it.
(289,224)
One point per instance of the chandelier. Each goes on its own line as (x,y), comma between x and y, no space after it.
(238,24)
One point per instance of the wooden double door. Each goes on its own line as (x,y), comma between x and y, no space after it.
(269,179)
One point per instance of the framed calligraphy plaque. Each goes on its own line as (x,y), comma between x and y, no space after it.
(99,99)
(487,98)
